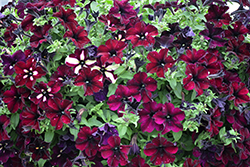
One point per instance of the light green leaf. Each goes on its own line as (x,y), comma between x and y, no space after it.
(177,90)
(94,122)
(49,134)
(177,135)
(122,129)
(112,89)
(14,119)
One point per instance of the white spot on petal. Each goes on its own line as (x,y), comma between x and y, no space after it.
(44,98)
(77,69)
(49,89)
(90,62)
(26,71)
(72,60)
(31,78)
(110,76)
(25,76)
(35,73)
(39,96)
(82,57)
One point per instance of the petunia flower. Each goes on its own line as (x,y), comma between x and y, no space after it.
(39,149)
(6,151)
(91,80)
(182,43)
(4,122)
(111,51)
(78,60)
(64,75)
(238,92)
(40,35)
(64,2)
(123,10)
(196,78)
(9,35)
(58,112)
(218,15)
(142,34)
(160,150)
(147,120)
(66,16)
(160,62)
(227,155)
(190,163)
(138,161)
(237,31)
(31,116)
(115,152)
(77,35)
(170,118)
(143,86)
(15,98)
(9,61)
(193,56)
(87,142)
(43,92)
(102,94)
(27,73)
(111,23)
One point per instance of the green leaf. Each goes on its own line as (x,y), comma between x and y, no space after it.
(126,75)
(94,6)
(177,90)
(49,134)
(41,162)
(172,83)
(122,129)
(112,89)
(14,120)
(74,132)
(177,135)
(94,122)
(193,96)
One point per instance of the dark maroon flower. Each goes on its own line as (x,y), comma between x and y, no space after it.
(15,98)
(170,118)
(212,118)
(237,31)
(164,41)
(90,79)
(31,116)
(39,149)
(238,92)
(196,78)
(9,35)
(226,155)
(78,60)
(211,62)
(66,16)
(87,142)
(175,30)
(43,92)
(213,35)
(6,151)
(111,51)
(4,122)
(115,152)
(182,43)
(63,75)
(27,22)
(217,15)
(147,120)
(40,35)
(238,48)
(138,161)
(160,62)
(120,98)
(161,151)
(244,144)
(9,61)
(64,2)
(59,113)
(105,132)
(123,10)
(78,35)
(142,34)
(27,73)
(190,163)
(158,10)
(112,23)
(237,119)
(143,86)
(193,56)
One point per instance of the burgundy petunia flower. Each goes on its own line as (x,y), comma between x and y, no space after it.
(142,34)
(244,144)
(213,35)
(63,75)
(193,56)
(112,51)
(123,10)
(112,23)
(238,92)
(9,61)
(31,116)
(87,142)
(27,73)
(182,43)
(217,15)
(58,112)
(121,97)
(78,60)
(160,62)
(27,22)
(138,161)
(237,31)
(115,152)
(6,151)
(64,2)
(9,35)
(4,122)
(170,118)
(39,149)
(40,35)
(196,78)
(143,86)
(91,80)
(15,98)
(78,35)
(213,117)
(66,16)
(212,63)
(147,120)
(161,151)
(190,163)
(43,92)
(226,155)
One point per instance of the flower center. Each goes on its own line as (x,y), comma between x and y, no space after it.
(82,62)
(116,149)
(168,117)
(112,53)
(87,81)
(142,36)
(142,86)
(62,112)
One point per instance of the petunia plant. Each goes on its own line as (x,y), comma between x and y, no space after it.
(125,83)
